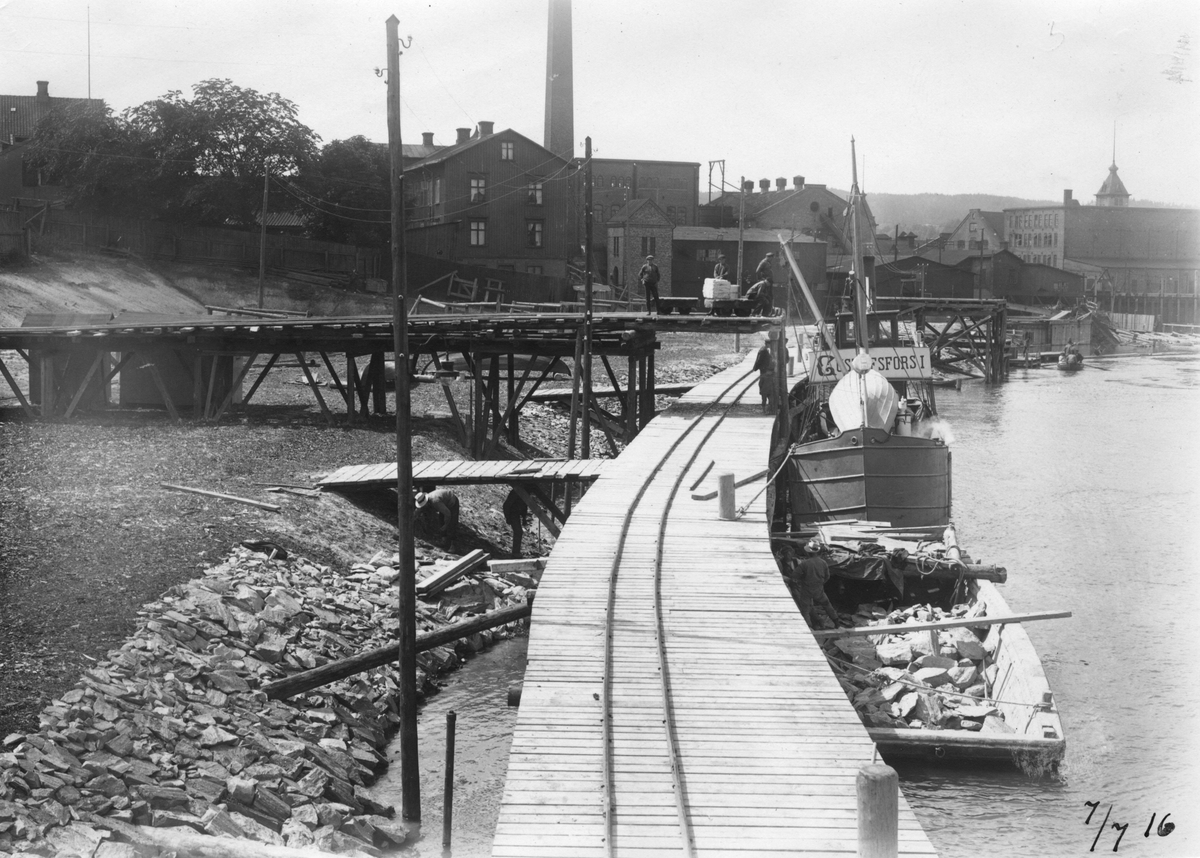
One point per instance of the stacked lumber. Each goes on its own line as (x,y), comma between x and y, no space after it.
(174,730)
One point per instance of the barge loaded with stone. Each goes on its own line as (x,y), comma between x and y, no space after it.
(945,671)
(935,662)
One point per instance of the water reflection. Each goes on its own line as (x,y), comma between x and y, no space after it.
(478,694)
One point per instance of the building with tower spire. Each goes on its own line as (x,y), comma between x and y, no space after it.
(1134,259)
(1112,193)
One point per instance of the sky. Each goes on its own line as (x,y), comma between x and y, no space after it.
(1017,98)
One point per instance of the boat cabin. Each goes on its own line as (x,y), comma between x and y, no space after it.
(883,329)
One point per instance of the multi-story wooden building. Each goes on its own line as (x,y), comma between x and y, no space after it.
(497,200)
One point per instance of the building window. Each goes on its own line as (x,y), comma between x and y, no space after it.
(961,244)
(671,213)
(533,269)
(616,245)
(647,245)
(533,233)
(437,191)
(613,213)
(478,233)
(506,152)
(478,189)
(534,196)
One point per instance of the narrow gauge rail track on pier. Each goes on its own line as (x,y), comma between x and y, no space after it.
(675,702)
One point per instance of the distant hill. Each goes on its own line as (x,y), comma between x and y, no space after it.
(930,214)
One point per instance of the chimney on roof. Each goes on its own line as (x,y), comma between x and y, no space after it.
(464,134)
(485,129)
(426,138)
(748,186)
(43,90)
(1067,194)
(781,184)
(764,185)
(798,182)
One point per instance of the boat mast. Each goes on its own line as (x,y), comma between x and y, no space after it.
(861,298)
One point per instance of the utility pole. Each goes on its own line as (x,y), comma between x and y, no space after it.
(741,229)
(737,338)
(262,239)
(585,449)
(410,775)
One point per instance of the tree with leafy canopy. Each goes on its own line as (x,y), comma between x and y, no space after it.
(198,160)
(346,192)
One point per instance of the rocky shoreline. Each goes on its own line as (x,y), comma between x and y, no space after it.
(170,745)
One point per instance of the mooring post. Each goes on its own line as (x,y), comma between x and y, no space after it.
(726,502)
(448,789)
(878,811)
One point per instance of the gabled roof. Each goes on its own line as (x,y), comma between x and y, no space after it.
(20,114)
(994,221)
(445,153)
(280,219)
(418,150)
(626,212)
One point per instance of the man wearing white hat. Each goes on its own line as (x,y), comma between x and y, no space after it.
(439,508)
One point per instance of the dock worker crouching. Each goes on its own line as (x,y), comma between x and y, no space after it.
(806,576)
(439,510)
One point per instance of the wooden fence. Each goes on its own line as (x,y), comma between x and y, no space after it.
(12,239)
(1133,321)
(157,240)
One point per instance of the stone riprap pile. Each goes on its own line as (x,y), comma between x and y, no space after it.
(905,680)
(172,730)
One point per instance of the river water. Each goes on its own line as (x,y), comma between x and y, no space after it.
(1087,488)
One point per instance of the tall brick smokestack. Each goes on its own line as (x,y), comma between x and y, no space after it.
(560,108)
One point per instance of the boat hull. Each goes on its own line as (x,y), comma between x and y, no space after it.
(1021,693)
(872,475)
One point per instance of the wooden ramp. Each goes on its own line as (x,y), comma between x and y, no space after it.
(460,473)
(751,731)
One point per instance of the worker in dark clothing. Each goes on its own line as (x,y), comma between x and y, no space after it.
(721,270)
(805,577)
(764,362)
(760,294)
(648,276)
(515,512)
(766,269)
(439,509)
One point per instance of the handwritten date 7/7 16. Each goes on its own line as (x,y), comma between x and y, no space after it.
(1164,827)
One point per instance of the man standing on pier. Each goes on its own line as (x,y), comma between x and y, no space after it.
(648,276)
(764,362)
(766,269)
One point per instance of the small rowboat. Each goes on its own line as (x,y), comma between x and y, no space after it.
(947,672)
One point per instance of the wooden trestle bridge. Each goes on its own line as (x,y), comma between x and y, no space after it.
(198,366)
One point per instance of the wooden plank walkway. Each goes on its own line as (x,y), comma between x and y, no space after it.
(452,472)
(766,746)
